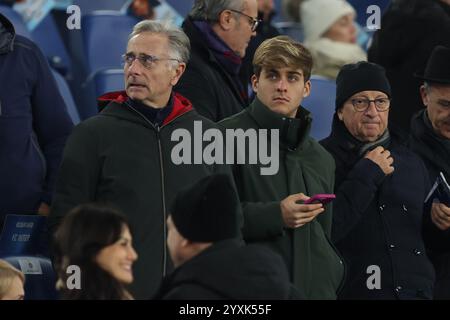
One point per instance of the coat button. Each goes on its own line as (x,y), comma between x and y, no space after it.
(398,288)
(382,207)
(405,209)
(417,252)
(391,246)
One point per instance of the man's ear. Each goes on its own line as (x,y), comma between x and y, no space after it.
(254,81)
(178,72)
(424,95)
(307,89)
(340,115)
(225,20)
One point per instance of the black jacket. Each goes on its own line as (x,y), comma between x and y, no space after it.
(119,158)
(206,83)
(34,125)
(435,152)
(410,29)
(229,270)
(377,220)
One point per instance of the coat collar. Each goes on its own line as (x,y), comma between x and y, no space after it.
(267,119)
(115,105)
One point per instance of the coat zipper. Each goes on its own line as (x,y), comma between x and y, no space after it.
(158,130)
(163,188)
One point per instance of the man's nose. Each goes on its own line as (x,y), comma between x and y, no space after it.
(371,109)
(281,85)
(135,67)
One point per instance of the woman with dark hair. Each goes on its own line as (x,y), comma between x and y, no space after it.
(97,240)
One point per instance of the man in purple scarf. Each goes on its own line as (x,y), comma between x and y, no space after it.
(219,31)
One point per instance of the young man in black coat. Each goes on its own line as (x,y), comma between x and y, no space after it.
(380,189)
(212,262)
(430,139)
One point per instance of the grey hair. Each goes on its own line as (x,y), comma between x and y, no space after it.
(179,45)
(210,10)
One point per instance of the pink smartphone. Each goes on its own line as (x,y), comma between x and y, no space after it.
(323,198)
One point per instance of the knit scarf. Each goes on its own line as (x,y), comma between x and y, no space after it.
(226,57)
(359,148)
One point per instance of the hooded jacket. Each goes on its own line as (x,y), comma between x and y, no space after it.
(119,157)
(229,270)
(34,125)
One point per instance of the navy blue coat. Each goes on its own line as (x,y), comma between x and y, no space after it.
(377,220)
(435,153)
(34,125)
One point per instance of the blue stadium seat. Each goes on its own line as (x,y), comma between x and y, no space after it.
(88,6)
(291,29)
(24,235)
(16,20)
(105,36)
(67,96)
(108,81)
(182,7)
(47,37)
(24,244)
(321,105)
(40,278)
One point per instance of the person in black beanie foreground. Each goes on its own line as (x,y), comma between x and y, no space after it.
(380,190)
(211,260)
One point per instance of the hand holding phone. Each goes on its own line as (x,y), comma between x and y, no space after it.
(322,198)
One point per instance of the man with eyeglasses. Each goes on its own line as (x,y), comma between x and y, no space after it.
(380,189)
(123,156)
(219,31)
(430,139)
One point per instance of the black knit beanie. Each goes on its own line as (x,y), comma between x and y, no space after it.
(360,76)
(208,210)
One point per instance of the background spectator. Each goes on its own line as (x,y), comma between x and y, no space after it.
(410,29)
(219,32)
(265,30)
(34,126)
(330,35)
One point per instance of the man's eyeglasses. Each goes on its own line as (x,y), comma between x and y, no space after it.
(146,60)
(254,22)
(362,104)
